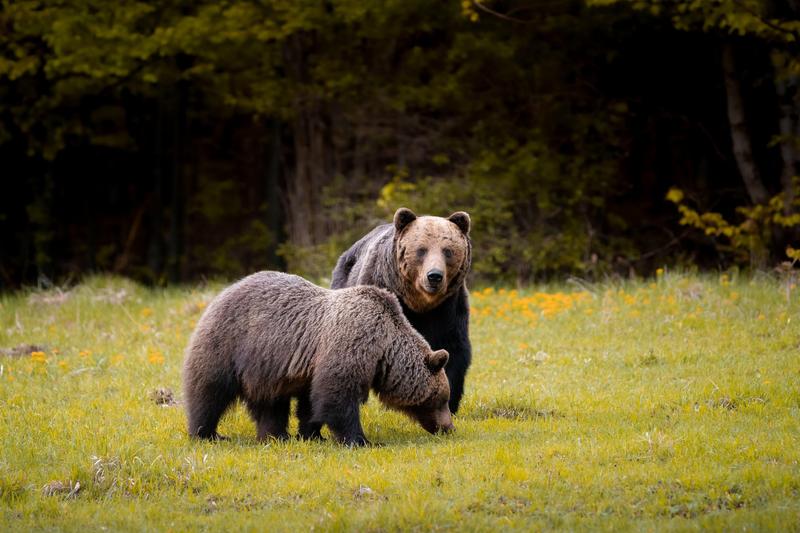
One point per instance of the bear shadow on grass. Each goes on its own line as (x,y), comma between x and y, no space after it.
(383,427)
(507,409)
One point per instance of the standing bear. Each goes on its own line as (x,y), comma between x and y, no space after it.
(272,336)
(424,261)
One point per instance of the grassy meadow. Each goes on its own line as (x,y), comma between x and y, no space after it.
(664,404)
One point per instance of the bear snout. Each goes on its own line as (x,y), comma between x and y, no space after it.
(449,428)
(435,276)
(444,422)
(433,281)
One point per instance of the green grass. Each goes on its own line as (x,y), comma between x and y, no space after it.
(656,405)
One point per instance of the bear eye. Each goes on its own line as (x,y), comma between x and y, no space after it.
(448,253)
(421,252)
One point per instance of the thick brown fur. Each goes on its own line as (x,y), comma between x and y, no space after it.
(407,257)
(273,336)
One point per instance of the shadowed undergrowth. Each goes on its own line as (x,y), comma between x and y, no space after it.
(667,404)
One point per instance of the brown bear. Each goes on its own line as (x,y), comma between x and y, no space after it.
(424,261)
(273,336)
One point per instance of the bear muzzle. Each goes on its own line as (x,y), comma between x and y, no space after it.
(444,422)
(433,281)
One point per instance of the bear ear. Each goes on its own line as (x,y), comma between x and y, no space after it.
(402,218)
(437,360)
(460,219)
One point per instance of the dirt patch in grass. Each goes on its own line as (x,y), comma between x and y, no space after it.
(54,297)
(22,350)
(510,411)
(163,396)
(68,490)
(247,503)
(649,359)
(727,403)
(502,505)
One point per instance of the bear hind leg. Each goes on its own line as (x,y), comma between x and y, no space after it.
(271,418)
(205,411)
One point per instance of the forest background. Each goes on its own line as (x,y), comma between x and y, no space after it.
(170,140)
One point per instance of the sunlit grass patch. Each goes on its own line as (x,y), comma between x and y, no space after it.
(670,403)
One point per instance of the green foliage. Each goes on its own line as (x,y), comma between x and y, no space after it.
(654,404)
(532,128)
(748,239)
(528,220)
(740,17)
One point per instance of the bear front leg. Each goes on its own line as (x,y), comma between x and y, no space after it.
(456,342)
(346,426)
(271,418)
(341,412)
(307,430)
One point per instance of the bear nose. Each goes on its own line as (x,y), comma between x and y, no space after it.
(435,277)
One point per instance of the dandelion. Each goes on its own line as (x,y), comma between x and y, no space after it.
(85,353)
(155,357)
(63,364)
(659,272)
(117,359)
(146,312)
(38,357)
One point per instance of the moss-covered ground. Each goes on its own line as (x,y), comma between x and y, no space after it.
(663,404)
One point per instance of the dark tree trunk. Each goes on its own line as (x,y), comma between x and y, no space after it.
(740,137)
(155,251)
(789,155)
(312,169)
(42,230)
(178,193)
(274,215)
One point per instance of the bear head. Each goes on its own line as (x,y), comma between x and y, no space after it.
(433,255)
(423,393)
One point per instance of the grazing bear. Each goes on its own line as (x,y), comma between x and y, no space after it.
(424,261)
(274,336)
